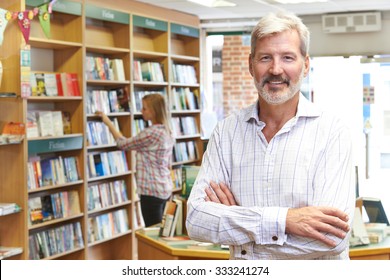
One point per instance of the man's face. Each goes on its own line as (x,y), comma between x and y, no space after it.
(277,67)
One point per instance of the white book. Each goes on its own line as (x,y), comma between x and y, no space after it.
(178,217)
(51,84)
(118,69)
(58,126)
(32,129)
(45,123)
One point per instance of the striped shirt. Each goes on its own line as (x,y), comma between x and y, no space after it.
(153,160)
(307,163)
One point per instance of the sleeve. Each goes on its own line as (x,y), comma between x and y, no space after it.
(236,225)
(139,142)
(231,225)
(333,186)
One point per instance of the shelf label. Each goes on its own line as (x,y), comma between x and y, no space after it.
(184,30)
(150,23)
(55,145)
(63,6)
(106,14)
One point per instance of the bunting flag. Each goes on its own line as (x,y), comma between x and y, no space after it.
(24,21)
(5,16)
(44,19)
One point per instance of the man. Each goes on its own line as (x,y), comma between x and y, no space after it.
(276,179)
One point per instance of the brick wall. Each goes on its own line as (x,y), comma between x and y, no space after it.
(238,88)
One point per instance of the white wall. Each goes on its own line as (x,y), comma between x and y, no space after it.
(359,43)
(338,87)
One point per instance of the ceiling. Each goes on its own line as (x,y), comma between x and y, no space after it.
(250,9)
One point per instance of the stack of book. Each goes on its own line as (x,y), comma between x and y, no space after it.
(6,252)
(8,208)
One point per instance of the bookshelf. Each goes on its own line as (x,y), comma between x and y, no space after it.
(12,188)
(85,35)
(50,219)
(107,37)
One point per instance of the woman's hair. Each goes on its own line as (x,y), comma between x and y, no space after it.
(277,23)
(157,103)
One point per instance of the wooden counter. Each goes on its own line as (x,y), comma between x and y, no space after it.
(150,247)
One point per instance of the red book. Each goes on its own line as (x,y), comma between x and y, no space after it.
(67,84)
(59,85)
(75,83)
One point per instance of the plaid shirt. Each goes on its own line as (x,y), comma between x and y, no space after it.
(153,160)
(307,163)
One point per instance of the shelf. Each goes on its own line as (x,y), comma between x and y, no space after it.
(54,98)
(185,58)
(109,83)
(106,50)
(99,178)
(149,55)
(95,243)
(54,222)
(52,44)
(100,210)
(79,30)
(55,187)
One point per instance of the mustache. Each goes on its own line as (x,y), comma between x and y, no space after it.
(271,79)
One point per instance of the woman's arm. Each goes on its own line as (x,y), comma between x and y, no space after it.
(106,120)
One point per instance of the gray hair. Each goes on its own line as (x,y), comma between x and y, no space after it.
(277,23)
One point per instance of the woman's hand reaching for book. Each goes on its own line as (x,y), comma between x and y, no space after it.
(103,116)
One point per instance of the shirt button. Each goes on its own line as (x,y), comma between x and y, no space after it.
(243,252)
(274,238)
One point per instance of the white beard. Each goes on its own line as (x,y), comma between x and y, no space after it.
(275,98)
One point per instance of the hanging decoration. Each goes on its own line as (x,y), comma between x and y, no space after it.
(24,19)
(5,16)
(44,19)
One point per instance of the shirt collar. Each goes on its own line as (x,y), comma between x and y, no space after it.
(305,109)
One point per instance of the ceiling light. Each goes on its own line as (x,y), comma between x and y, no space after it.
(299,1)
(213,3)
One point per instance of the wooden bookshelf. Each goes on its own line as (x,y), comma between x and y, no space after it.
(122,30)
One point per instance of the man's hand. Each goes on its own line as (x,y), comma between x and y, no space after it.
(313,222)
(220,193)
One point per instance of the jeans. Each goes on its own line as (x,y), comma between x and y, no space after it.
(152,209)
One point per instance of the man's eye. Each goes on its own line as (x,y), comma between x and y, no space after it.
(288,58)
(265,58)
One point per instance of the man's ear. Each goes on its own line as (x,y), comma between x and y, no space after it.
(250,64)
(307,65)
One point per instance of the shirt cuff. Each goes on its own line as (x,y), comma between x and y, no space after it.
(273,226)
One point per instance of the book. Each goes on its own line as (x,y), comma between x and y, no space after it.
(45,123)
(50,81)
(189,174)
(6,252)
(32,129)
(75,84)
(123,99)
(169,220)
(35,210)
(8,208)
(177,240)
(118,69)
(14,131)
(69,82)
(201,246)
(179,216)
(37,84)
(66,123)
(58,126)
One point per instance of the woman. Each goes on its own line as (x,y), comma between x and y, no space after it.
(153,159)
